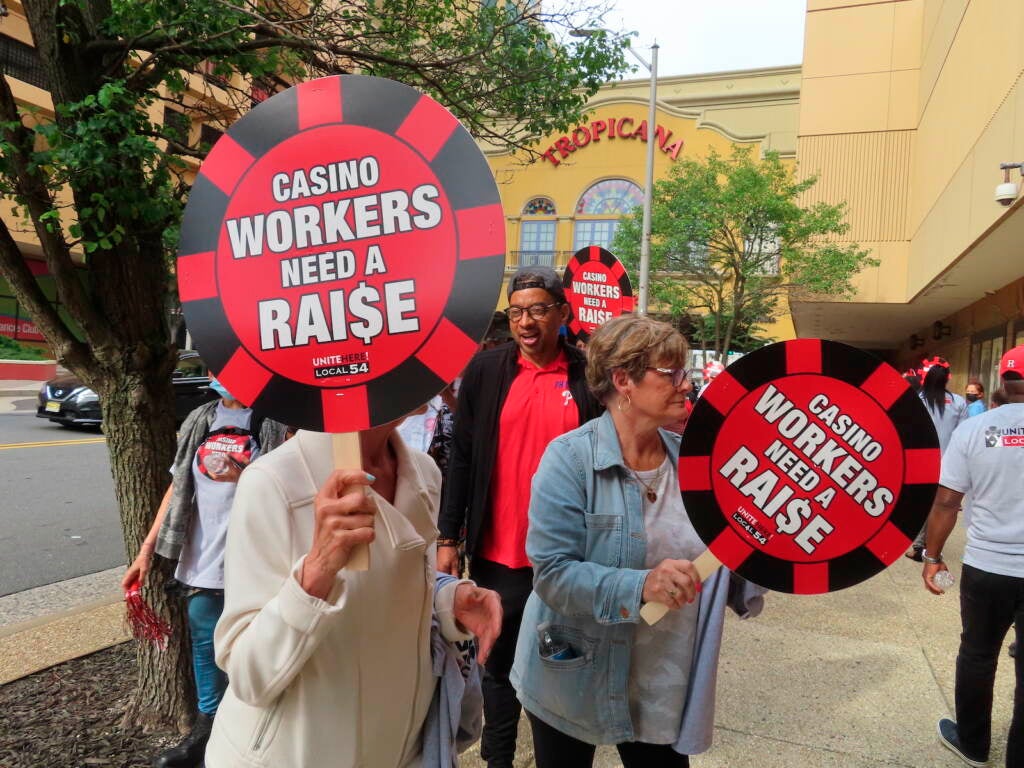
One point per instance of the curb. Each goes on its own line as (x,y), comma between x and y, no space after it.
(19,392)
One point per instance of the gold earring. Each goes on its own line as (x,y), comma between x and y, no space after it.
(629,404)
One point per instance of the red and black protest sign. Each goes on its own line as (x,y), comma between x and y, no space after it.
(341,253)
(597,289)
(808,466)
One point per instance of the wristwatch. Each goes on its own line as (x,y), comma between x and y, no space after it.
(929,559)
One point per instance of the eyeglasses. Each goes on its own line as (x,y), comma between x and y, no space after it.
(676,375)
(536,311)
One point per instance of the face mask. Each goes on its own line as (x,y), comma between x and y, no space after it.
(973,398)
(219,388)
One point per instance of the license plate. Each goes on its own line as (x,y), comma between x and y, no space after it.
(53,406)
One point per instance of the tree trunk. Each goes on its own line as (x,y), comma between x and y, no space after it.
(138,419)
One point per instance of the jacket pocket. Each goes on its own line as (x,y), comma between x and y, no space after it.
(266,728)
(562,647)
(604,539)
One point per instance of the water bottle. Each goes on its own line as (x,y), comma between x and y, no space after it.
(943,580)
(550,648)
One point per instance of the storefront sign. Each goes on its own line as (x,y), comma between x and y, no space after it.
(341,253)
(808,466)
(614,128)
(597,288)
(19,328)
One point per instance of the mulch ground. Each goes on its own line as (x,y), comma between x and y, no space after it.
(69,716)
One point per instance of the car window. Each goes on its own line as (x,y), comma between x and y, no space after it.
(190,367)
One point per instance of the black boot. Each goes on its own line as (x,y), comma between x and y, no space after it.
(189,753)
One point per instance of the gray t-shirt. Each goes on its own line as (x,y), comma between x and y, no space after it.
(659,673)
(985,459)
(202,559)
(954,413)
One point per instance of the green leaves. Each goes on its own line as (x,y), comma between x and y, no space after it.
(730,238)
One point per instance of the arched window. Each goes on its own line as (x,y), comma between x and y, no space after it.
(537,233)
(599,209)
(539,206)
(611,196)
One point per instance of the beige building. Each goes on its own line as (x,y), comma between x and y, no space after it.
(907,110)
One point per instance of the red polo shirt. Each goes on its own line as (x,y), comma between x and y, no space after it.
(539,408)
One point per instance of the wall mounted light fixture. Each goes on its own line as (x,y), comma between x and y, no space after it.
(940,329)
(916,341)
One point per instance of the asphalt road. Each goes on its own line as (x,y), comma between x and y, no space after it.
(58,518)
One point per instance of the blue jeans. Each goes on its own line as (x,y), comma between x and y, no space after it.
(204,609)
(989,604)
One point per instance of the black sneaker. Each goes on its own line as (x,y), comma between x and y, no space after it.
(914,553)
(949,737)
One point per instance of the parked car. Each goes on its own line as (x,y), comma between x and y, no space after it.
(68,402)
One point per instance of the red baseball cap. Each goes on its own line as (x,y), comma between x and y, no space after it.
(1012,362)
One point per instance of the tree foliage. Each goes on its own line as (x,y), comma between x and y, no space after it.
(730,238)
(100,182)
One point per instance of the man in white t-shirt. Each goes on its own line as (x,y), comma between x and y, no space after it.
(984,459)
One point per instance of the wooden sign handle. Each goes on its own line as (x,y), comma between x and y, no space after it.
(706,564)
(347,455)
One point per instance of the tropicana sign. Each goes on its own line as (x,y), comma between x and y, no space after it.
(612,128)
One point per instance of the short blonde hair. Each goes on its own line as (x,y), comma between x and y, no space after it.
(633,343)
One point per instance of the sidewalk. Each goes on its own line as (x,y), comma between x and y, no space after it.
(19,387)
(855,679)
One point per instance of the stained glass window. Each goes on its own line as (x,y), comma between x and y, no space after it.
(611,196)
(539,206)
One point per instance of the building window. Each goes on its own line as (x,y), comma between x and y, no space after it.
(598,232)
(612,196)
(539,206)
(177,124)
(537,243)
(22,62)
(986,352)
(209,135)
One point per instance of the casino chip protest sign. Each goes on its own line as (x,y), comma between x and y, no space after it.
(597,289)
(808,466)
(341,253)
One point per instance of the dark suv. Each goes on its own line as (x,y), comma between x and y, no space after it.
(68,402)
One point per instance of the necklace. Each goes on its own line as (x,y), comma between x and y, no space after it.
(651,494)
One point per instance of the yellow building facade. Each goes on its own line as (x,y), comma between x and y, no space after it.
(590,176)
(908,108)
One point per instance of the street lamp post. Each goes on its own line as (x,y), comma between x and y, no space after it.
(645,241)
(652,125)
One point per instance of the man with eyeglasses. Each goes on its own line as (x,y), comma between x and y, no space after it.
(514,400)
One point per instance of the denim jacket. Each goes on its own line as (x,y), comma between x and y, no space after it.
(587,544)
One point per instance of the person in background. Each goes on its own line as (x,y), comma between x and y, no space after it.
(330,668)
(216,442)
(498,332)
(985,460)
(913,377)
(947,411)
(975,397)
(608,533)
(999,398)
(514,399)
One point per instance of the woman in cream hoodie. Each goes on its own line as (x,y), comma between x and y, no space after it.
(329,667)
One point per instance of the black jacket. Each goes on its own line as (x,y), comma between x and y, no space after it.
(485,385)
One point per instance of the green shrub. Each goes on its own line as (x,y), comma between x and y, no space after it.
(12,350)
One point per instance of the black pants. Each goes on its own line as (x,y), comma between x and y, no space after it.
(554,749)
(501,707)
(989,604)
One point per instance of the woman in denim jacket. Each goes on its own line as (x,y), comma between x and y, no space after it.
(608,533)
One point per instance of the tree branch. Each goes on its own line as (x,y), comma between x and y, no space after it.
(30,187)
